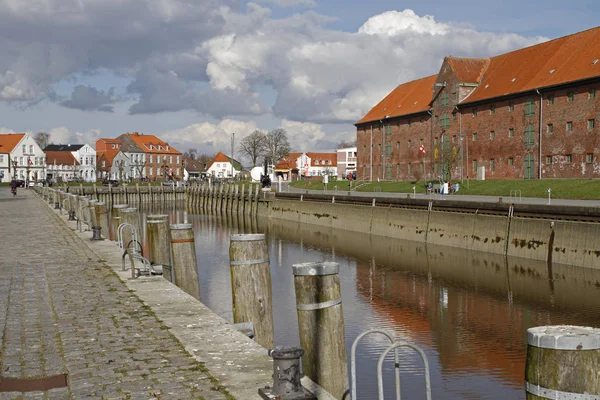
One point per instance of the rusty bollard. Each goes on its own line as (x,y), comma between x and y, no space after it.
(286,376)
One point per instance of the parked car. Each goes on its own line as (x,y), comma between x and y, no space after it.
(20,183)
(168,183)
(111,182)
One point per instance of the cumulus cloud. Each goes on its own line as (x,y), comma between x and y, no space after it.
(209,138)
(87,98)
(330,76)
(64,135)
(208,57)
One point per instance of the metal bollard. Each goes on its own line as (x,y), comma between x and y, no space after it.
(71,215)
(286,376)
(96,233)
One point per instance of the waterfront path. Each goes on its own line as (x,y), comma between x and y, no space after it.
(66,307)
(458,196)
(63,310)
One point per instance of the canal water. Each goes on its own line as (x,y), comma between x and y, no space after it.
(468,311)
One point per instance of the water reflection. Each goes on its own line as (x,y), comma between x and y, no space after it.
(468,310)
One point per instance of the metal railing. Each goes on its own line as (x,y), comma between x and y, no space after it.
(514,193)
(82,219)
(395,345)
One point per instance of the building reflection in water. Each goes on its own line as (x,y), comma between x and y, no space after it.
(468,310)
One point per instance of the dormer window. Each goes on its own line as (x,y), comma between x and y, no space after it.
(167,147)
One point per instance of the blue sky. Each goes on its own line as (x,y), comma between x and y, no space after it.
(194,71)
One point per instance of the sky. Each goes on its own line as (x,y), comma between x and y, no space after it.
(196,72)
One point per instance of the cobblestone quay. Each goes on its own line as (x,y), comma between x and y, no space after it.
(63,310)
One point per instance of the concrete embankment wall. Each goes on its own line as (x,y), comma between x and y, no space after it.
(564,242)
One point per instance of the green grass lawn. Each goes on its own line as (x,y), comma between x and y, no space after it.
(584,189)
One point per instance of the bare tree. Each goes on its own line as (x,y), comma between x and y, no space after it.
(447,156)
(42,139)
(191,154)
(343,144)
(254,146)
(278,145)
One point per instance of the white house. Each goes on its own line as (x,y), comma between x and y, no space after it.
(223,167)
(306,164)
(84,154)
(21,157)
(61,166)
(122,166)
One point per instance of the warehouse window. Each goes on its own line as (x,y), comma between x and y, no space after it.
(529,136)
(529,108)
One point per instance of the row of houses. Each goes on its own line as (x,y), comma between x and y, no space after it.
(528,114)
(145,157)
(130,156)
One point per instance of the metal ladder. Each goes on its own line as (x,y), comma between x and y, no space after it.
(131,249)
(395,345)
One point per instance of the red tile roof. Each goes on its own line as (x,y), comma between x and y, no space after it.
(288,162)
(559,61)
(8,141)
(320,157)
(108,155)
(60,158)
(408,98)
(468,70)
(151,144)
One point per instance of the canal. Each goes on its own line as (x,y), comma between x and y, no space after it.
(469,311)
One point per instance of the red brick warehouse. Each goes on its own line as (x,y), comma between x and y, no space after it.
(528,114)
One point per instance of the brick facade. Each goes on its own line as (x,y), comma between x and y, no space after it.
(461,130)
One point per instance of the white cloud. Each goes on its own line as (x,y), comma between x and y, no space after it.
(64,135)
(207,57)
(393,23)
(331,76)
(209,138)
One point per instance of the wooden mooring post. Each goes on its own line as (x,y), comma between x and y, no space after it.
(102,219)
(321,325)
(251,285)
(562,363)
(159,242)
(130,216)
(185,267)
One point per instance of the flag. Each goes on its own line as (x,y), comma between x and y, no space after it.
(422,149)
(29,162)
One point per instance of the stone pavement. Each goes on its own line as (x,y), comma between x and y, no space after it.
(62,310)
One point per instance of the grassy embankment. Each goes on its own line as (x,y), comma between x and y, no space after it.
(584,189)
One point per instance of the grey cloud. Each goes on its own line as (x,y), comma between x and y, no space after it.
(161,91)
(290,3)
(44,41)
(87,98)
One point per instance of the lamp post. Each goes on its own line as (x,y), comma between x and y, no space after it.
(15,163)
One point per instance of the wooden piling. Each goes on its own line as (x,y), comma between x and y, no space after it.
(93,218)
(130,216)
(159,239)
(183,253)
(102,218)
(321,325)
(562,362)
(251,285)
